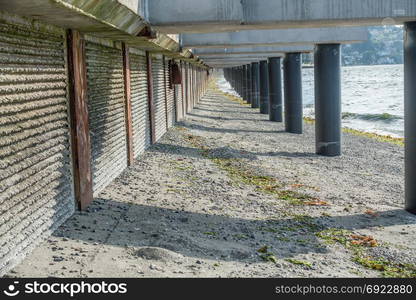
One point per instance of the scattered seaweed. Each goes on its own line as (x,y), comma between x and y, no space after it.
(299,262)
(359,245)
(266,255)
(375,136)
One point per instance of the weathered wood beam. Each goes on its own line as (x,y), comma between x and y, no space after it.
(127,104)
(78,109)
(150,96)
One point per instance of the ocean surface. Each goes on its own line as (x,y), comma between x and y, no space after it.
(372,98)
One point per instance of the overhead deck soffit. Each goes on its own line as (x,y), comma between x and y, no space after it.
(102,18)
(230,61)
(201,52)
(241,57)
(276,37)
(202,16)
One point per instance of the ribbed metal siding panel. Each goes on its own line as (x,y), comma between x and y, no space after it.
(198,84)
(185,88)
(36,192)
(170,93)
(178,97)
(159,97)
(106,108)
(139,103)
(192,86)
(189,85)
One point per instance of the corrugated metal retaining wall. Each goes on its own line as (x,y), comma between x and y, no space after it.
(179,96)
(159,96)
(189,86)
(36,193)
(170,94)
(185,88)
(139,99)
(36,180)
(106,113)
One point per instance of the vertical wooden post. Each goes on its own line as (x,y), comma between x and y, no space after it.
(165,88)
(173,86)
(78,110)
(127,106)
(150,96)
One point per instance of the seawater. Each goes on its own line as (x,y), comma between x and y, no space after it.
(372,97)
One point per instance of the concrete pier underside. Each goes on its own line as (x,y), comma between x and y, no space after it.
(218,16)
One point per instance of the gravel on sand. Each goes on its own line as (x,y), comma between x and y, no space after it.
(228,193)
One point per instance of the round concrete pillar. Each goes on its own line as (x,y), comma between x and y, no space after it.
(264,87)
(244,78)
(293,99)
(240,83)
(275,89)
(249,83)
(255,71)
(328,99)
(232,78)
(410,115)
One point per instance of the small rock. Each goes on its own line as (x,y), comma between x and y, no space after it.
(154,253)
(156,268)
(240,254)
(58,259)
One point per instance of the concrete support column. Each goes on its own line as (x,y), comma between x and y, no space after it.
(249,92)
(275,89)
(237,76)
(410,115)
(255,71)
(236,79)
(293,93)
(233,78)
(328,99)
(244,96)
(240,82)
(264,87)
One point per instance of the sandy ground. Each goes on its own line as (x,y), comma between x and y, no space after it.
(229,194)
